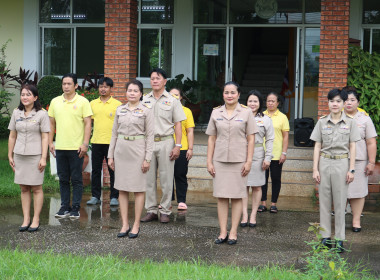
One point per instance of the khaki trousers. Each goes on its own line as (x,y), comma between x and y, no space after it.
(333,187)
(160,157)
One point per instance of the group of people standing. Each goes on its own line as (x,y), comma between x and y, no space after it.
(154,132)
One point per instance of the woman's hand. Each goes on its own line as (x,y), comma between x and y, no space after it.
(12,163)
(246,168)
(282,159)
(349,177)
(316,177)
(145,166)
(265,165)
(42,165)
(111,164)
(369,169)
(189,154)
(211,169)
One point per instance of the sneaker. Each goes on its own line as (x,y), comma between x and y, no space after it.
(75,214)
(63,212)
(93,201)
(114,202)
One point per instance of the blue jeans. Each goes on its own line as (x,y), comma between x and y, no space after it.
(69,166)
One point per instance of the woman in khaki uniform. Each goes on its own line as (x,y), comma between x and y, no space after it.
(365,157)
(261,158)
(130,153)
(27,151)
(335,136)
(231,140)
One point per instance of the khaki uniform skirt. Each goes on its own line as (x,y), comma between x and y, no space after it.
(359,187)
(129,157)
(256,177)
(26,170)
(228,182)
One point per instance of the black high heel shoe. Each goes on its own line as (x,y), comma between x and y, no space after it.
(123,234)
(25,228)
(221,240)
(134,235)
(33,229)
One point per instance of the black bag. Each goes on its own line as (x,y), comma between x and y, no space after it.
(302,132)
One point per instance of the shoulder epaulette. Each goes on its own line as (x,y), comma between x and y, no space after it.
(243,106)
(146,93)
(217,107)
(351,117)
(148,106)
(43,109)
(175,96)
(324,116)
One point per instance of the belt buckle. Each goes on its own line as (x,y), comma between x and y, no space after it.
(333,157)
(129,138)
(157,138)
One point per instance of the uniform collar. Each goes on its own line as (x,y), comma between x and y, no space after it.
(32,113)
(343,118)
(223,109)
(107,102)
(274,114)
(72,100)
(165,93)
(139,106)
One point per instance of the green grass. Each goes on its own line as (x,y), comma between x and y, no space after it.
(3,149)
(31,265)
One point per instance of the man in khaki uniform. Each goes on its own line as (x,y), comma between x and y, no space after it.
(168,114)
(335,136)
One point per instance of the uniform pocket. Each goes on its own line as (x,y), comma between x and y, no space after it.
(344,134)
(327,136)
(164,111)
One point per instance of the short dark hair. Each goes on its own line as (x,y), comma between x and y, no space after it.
(37,105)
(137,83)
(106,80)
(72,76)
(233,84)
(337,92)
(159,71)
(352,90)
(256,93)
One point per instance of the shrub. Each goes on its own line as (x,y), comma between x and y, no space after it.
(4,122)
(48,88)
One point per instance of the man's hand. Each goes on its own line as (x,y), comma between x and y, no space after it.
(174,154)
(52,149)
(82,150)
(189,154)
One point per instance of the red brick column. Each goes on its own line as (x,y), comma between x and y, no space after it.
(120,52)
(333,63)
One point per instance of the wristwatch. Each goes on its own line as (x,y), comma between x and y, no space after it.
(147,160)
(352,171)
(178,145)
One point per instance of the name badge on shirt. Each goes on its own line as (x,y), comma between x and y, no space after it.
(168,103)
(111,114)
(19,120)
(239,120)
(259,123)
(345,127)
(327,128)
(147,101)
(75,107)
(219,119)
(138,112)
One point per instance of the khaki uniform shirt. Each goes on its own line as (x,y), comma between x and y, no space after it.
(167,111)
(138,121)
(266,132)
(231,133)
(335,138)
(367,131)
(29,129)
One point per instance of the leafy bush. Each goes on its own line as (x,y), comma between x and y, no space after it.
(364,75)
(91,94)
(4,122)
(48,88)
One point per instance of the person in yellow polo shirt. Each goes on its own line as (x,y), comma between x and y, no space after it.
(70,117)
(104,109)
(280,146)
(186,153)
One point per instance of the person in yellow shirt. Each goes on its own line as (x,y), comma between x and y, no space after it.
(70,115)
(104,109)
(186,153)
(280,147)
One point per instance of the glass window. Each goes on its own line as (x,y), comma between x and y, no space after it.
(371,11)
(57,51)
(210,11)
(366,39)
(375,47)
(157,11)
(54,11)
(89,11)
(313,11)
(266,11)
(89,51)
(155,50)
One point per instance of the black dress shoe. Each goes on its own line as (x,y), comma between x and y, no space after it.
(123,234)
(232,241)
(327,242)
(33,229)
(134,235)
(243,224)
(252,225)
(25,228)
(221,240)
(339,247)
(356,229)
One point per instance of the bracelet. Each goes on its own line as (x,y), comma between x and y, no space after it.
(284,153)
(371,163)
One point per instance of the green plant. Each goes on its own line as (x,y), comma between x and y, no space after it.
(91,94)
(188,87)
(364,75)
(48,88)
(5,79)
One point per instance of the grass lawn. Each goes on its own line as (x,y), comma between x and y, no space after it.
(10,189)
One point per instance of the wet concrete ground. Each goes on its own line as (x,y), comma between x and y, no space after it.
(278,238)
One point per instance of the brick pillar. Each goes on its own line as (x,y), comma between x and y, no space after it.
(120,52)
(333,63)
